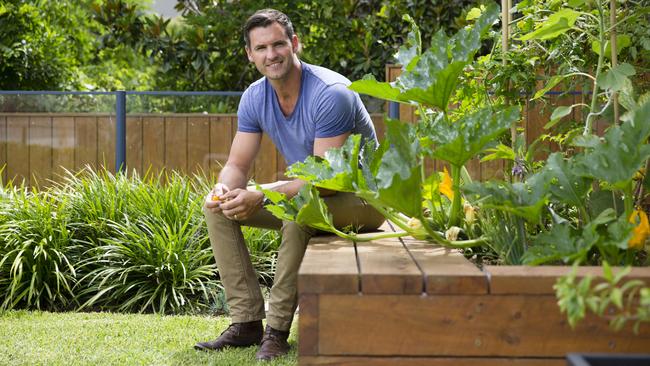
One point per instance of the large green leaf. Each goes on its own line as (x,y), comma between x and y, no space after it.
(431,77)
(556,24)
(616,78)
(338,170)
(566,243)
(459,141)
(398,173)
(305,208)
(566,186)
(382,90)
(524,199)
(620,153)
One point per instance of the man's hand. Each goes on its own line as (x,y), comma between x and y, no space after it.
(215,197)
(240,204)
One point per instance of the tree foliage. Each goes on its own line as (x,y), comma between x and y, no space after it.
(115,44)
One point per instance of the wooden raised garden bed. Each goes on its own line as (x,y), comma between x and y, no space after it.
(403,301)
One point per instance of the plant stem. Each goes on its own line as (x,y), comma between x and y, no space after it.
(613,47)
(628,199)
(454,216)
(601,56)
(358,238)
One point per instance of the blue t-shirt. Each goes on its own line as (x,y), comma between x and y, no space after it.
(325,108)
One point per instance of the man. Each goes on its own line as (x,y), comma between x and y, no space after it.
(306,110)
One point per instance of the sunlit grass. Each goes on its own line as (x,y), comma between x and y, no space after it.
(66,339)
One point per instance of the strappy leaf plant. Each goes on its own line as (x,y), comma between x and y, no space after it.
(38,251)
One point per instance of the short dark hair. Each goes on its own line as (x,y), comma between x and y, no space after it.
(264,18)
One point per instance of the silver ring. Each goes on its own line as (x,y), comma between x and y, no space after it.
(235,216)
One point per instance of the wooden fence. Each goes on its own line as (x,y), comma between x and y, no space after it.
(38,147)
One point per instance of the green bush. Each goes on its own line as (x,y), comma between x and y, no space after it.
(38,251)
(115,242)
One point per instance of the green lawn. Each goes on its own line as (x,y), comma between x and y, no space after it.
(41,338)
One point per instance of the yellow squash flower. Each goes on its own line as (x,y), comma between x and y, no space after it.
(446,185)
(641,230)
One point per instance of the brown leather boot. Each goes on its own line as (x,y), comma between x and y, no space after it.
(274,344)
(236,335)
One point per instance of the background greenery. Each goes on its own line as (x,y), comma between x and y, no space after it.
(115,44)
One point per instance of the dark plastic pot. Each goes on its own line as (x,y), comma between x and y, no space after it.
(607,359)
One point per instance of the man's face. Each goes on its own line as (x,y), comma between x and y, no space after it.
(272,51)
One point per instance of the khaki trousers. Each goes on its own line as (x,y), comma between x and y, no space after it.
(238,277)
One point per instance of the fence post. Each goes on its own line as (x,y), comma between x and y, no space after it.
(393,110)
(120,131)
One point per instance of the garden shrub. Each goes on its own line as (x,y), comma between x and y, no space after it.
(104,241)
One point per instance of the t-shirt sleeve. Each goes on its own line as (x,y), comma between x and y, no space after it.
(335,111)
(247,120)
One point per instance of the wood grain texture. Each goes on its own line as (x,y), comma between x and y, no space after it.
(308,325)
(176,144)
(428,361)
(198,144)
(18,149)
(3,149)
(63,146)
(85,141)
(40,150)
(329,266)
(221,136)
(446,271)
(106,142)
(134,142)
(540,280)
(466,326)
(387,268)
(153,144)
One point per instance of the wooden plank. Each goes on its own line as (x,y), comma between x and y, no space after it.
(106,142)
(474,169)
(18,149)
(387,268)
(480,326)
(176,143)
(308,325)
(446,271)
(426,361)
(134,144)
(40,150)
(266,162)
(380,125)
(63,146)
(537,115)
(86,142)
(493,169)
(198,144)
(3,150)
(282,167)
(329,266)
(221,136)
(153,145)
(540,280)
